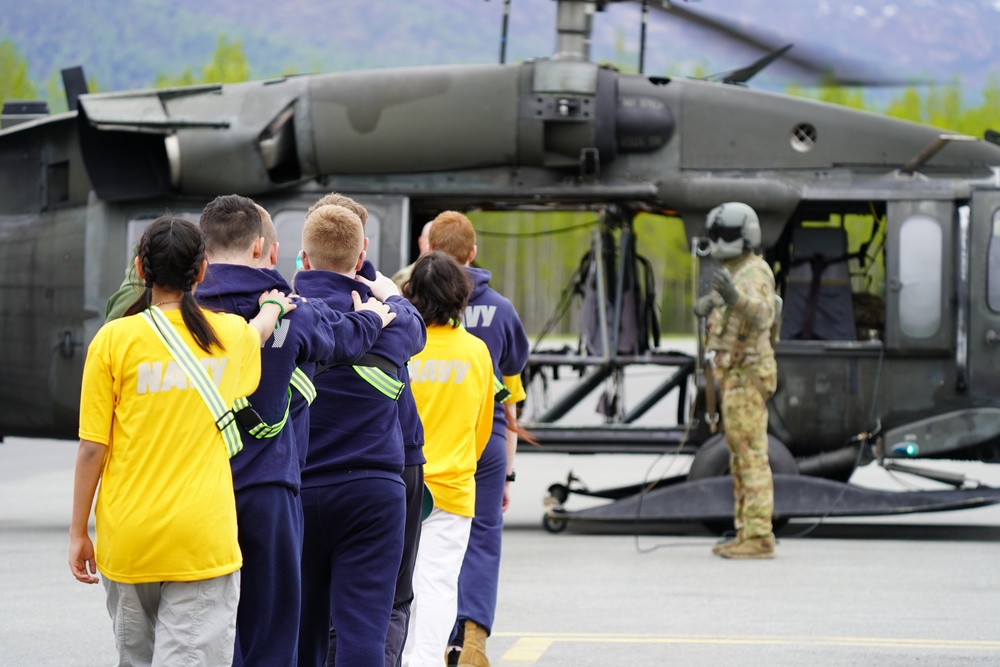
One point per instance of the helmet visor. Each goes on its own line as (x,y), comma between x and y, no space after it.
(726,234)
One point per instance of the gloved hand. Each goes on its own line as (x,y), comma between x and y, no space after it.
(722,282)
(704,305)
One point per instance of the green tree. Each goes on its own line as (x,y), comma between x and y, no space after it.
(14,81)
(228,65)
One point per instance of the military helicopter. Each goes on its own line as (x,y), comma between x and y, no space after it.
(896,367)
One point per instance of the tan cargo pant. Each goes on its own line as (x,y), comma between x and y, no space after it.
(744,391)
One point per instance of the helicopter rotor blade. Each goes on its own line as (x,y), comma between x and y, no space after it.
(811,61)
(744,74)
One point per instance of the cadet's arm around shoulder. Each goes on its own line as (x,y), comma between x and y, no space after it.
(375,306)
(382,287)
(273,306)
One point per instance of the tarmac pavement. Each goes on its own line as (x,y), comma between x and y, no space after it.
(910,590)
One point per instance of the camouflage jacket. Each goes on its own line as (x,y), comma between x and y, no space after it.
(755,307)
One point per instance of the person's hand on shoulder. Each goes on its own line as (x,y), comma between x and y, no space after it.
(375,306)
(382,287)
(276,298)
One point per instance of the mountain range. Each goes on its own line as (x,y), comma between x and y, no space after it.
(124,44)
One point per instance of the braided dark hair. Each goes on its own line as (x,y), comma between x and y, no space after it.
(438,288)
(171,251)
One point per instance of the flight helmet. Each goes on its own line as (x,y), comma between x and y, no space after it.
(732,229)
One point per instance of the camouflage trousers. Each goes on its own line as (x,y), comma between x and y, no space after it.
(744,392)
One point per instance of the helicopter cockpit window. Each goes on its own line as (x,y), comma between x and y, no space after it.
(993,267)
(920,258)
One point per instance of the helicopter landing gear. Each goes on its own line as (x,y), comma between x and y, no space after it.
(558,494)
(712,460)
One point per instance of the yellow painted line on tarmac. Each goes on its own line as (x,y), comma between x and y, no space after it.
(530,647)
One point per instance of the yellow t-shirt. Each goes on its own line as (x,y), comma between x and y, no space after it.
(515,386)
(165,507)
(452,382)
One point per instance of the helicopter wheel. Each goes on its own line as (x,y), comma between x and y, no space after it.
(712,460)
(553,524)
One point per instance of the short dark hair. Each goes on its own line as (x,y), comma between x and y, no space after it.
(230,222)
(438,288)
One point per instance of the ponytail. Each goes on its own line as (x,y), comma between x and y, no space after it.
(197,323)
(171,251)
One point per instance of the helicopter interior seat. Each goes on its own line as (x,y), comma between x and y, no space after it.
(818,303)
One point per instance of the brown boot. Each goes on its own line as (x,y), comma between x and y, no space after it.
(752,547)
(474,648)
(717,548)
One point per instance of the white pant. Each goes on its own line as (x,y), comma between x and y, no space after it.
(443,539)
(175,623)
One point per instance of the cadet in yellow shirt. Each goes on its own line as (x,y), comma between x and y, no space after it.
(166,513)
(452,382)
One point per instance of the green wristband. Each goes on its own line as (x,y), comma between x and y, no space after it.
(275,302)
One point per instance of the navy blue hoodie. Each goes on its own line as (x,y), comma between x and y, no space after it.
(354,429)
(309,333)
(409,419)
(492,318)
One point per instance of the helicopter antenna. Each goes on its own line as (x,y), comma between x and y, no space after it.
(642,35)
(503,31)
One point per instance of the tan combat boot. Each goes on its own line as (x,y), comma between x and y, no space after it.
(717,548)
(474,648)
(751,547)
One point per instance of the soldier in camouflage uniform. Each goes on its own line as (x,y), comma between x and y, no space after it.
(741,310)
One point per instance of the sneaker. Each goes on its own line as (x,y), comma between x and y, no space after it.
(754,547)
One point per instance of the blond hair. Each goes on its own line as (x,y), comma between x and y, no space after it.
(453,233)
(333,239)
(337,199)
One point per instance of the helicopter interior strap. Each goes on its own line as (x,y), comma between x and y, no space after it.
(818,264)
(818,292)
(224,418)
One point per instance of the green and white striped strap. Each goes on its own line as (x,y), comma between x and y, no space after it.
(301,382)
(198,376)
(500,391)
(252,422)
(257,427)
(381,380)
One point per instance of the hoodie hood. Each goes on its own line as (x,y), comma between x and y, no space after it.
(480,281)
